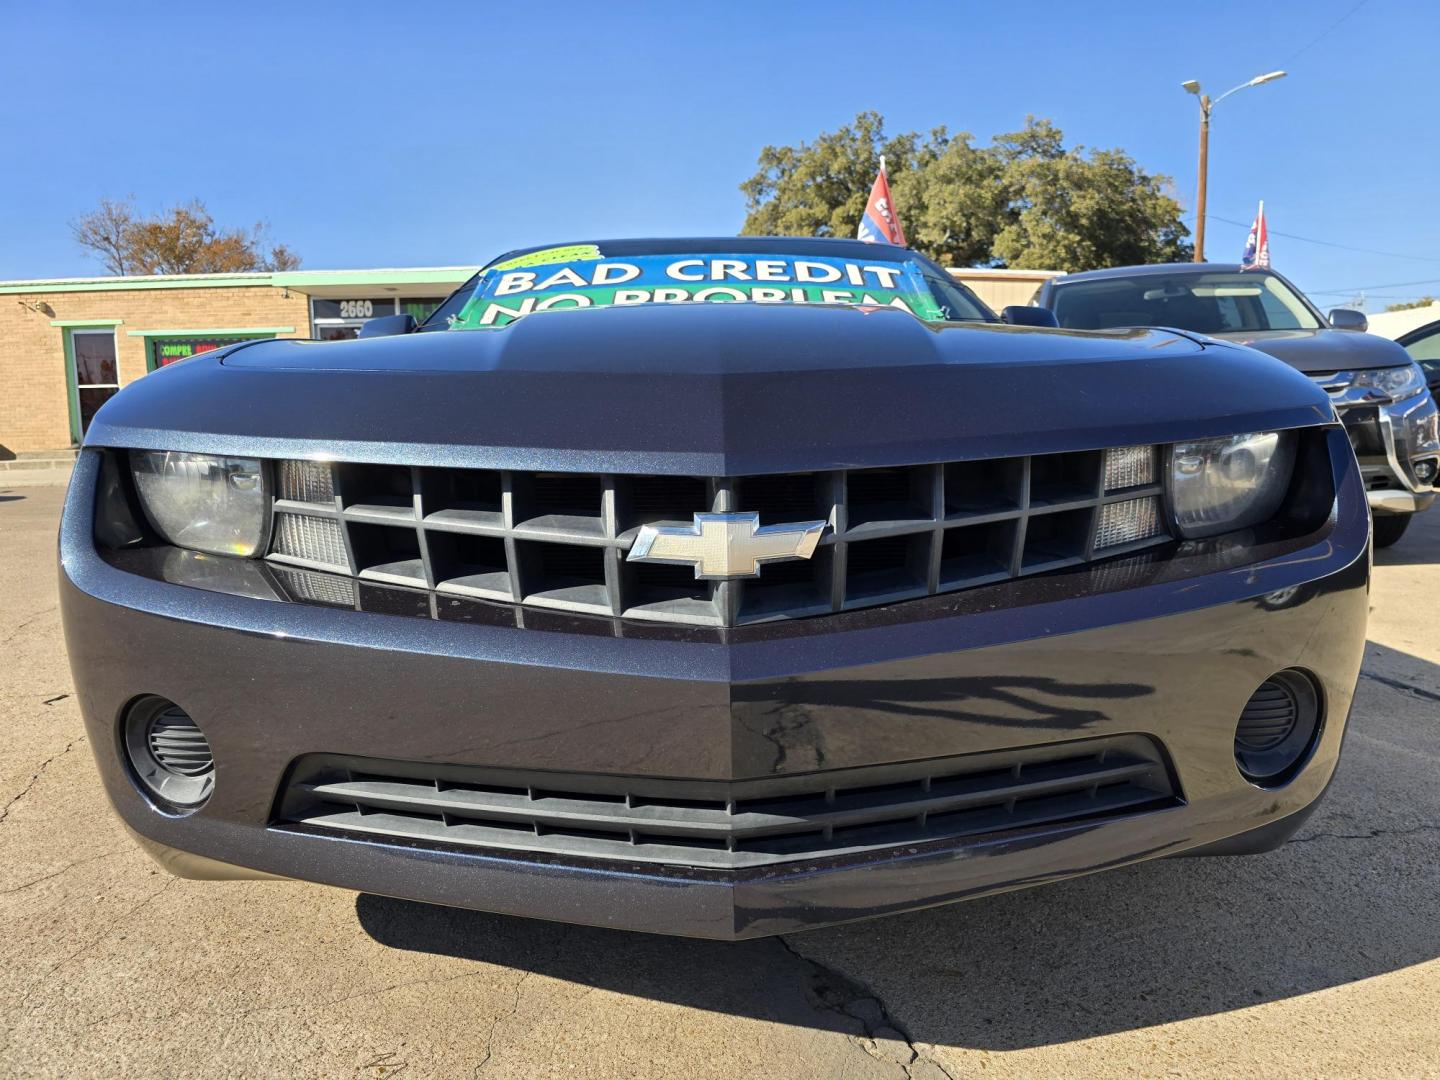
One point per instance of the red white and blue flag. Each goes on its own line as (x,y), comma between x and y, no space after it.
(880,225)
(1257,244)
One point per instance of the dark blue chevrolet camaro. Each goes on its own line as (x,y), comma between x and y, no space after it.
(719,587)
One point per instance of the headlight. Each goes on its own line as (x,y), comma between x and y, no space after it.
(1396,383)
(201,501)
(1217,485)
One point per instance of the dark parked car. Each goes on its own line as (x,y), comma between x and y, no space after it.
(714,587)
(1378,392)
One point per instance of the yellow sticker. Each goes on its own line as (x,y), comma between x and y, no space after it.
(573,253)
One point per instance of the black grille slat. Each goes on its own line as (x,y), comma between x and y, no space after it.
(560,540)
(380,491)
(975,488)
(1362,424)
(1268,717)
(891,564)
(648,499)
(178,744)
(730,824)
(1059,479)
(1056,538)
(557,574)
(559,503)
(804,815)
(785,497)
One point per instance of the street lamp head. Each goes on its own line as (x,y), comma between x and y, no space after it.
(1269,76)
(1191,86)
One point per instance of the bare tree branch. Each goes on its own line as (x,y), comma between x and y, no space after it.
(107,232)
(182,240)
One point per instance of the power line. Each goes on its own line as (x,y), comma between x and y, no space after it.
(1329,243)
(1322,35)
(1366,288)
(1368,295)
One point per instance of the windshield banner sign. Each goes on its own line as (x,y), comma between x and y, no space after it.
(579,278)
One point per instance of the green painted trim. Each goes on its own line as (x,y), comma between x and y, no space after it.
(121,284)
(300,280)
(222,331)
(72,394)
(82,323)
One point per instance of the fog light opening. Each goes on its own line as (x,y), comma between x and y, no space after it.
(168,753)
(1425,471)
(1277,728)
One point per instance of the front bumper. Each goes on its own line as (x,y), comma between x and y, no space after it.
(1399,501)
(1041,661)
(1389,439)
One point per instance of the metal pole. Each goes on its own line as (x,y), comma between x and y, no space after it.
(1200,185)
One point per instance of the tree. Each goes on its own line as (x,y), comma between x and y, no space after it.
(1023,201)
(182,240)
(1407,305)
(820,190)
(105,231)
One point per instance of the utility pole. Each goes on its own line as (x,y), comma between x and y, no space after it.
(1204,175)
(1193,87)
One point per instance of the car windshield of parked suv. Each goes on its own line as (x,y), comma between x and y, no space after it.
(581,275)
(1214,302)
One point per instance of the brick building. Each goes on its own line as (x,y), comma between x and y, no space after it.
(67,345)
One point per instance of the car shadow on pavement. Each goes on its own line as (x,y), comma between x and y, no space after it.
(1420,544)
(1355,895)
(6,497)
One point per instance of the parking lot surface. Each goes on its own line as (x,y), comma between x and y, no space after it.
(1318,959)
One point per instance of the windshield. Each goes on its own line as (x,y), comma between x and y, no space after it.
(1213,302)
(582,275)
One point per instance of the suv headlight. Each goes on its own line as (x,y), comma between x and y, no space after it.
(202,501)
(1217,485)
(1396,383)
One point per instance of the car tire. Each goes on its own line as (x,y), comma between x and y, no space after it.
(1389,528)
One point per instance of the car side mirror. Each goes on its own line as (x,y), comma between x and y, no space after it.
(1348,319)
(1023,315)
(387,326)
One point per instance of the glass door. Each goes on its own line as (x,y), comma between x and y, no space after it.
(94,376)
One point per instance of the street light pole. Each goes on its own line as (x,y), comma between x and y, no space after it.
(1193,87)
(1204,174)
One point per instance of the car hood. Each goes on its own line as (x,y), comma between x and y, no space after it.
(1322,351)
(707,389)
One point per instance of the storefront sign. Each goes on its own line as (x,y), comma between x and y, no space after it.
(324,308)
(168,350)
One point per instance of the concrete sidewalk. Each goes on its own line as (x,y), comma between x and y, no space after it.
(1316,960)
(50,468)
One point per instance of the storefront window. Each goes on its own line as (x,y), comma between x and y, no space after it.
(96,375)
(165,351)
(337,320)
(420,310)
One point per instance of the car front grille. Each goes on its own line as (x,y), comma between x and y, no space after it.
(727,824)
(1362,424)
(560,540)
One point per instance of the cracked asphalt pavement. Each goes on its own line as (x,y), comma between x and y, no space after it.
(1318,959)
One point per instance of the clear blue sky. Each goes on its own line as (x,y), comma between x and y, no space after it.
(402,135)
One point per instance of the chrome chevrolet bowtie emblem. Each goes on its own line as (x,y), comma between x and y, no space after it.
(726,545)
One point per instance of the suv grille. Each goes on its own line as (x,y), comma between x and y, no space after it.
(1362,424)
(728,824)
(559,540)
